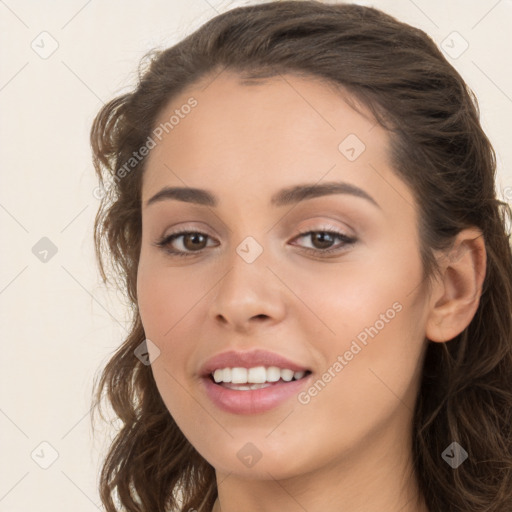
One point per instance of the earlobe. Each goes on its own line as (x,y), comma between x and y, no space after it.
(456,294)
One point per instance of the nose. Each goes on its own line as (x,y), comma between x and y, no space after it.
(248,295)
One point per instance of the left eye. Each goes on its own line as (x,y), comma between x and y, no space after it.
(325,239)
(194,242)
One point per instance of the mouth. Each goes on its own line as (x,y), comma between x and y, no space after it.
(240,396)
(257,377)
(253,381)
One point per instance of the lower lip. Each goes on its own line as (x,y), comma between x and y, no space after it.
(252,401)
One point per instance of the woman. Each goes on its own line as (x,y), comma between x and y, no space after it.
(301,207)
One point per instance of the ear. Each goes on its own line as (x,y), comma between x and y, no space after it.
(456,295)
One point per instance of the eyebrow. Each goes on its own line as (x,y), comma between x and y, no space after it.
(284,197)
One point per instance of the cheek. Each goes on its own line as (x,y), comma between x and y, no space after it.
(367,324)
(341,300)
(170,301)
(162,302)
(166,308)
(164,295)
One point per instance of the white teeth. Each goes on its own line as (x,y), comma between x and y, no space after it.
(255,375)
(239,376)
(273,374)
(226,375)
(287,375)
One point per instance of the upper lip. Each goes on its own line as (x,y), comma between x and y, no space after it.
(249,359)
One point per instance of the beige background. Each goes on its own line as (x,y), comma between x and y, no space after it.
(59,325)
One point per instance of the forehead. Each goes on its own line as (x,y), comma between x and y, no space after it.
(265,135)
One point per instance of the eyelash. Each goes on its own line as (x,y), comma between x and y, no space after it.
(165,242)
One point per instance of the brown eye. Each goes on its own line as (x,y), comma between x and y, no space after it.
(194,241)
(184,243)
(322,240)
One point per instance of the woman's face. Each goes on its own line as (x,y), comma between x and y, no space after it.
(343,301)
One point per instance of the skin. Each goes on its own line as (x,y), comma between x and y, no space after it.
(349,446)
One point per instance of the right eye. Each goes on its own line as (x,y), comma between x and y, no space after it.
(192,241)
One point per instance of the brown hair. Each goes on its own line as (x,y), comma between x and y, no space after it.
(439,149)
